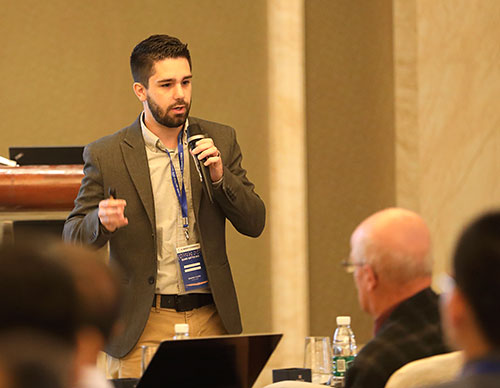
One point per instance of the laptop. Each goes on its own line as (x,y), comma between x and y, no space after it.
(222,361)
(26,156)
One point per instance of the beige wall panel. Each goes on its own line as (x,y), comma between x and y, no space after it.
(350,144)
(459,118)
(405,104)
(288,205)
(456,133)
(66,80)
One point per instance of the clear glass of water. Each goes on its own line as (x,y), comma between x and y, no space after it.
(318,357)
(148,351)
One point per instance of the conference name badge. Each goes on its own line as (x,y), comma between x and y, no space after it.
(194,274)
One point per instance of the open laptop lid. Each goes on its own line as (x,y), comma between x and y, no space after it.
(223,361)
(25,156)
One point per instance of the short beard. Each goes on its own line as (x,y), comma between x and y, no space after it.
(163,118)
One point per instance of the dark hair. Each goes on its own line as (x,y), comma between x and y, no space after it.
(31,359)
(476,264)
(36,293)
(98,286)
(154,49)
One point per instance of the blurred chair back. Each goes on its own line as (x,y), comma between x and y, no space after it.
(427,371)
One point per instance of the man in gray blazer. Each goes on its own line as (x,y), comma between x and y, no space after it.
(471,303)
(142,193)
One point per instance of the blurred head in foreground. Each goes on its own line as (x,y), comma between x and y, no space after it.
(38,318)
(471,297)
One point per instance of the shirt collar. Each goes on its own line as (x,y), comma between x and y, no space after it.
(379,322)
(152,141)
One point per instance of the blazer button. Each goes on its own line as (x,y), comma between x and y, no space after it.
(151,280)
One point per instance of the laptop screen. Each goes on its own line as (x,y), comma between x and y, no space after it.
(223,361)
(25,156)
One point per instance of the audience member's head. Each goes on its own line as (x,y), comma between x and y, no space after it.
(33,359)
(36,293)
(471,306)
(61,304)
(391,259)
(99,298)
(38,318)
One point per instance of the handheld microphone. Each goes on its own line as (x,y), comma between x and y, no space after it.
(194,134)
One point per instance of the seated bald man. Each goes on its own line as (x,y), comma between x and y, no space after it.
(391,262)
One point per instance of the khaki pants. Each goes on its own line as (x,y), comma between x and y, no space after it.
(203,322)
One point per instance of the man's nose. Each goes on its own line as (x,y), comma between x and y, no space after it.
(178,92)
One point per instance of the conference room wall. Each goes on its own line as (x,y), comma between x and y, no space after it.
(401,109)
(350,144)
(66,81)
(447,118)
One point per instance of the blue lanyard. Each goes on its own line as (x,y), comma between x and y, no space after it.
(180,190)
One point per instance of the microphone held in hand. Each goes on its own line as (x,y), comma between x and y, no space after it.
(194,134)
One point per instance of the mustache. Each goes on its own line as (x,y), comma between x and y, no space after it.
(177,104)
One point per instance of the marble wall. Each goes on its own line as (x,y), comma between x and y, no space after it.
(288,215)
(447,117)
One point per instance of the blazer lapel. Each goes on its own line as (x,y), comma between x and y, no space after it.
(135,158)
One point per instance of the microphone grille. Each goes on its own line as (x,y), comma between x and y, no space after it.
(194,129)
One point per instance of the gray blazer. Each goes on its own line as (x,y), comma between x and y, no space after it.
(119,161)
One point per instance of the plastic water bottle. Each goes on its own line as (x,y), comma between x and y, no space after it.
(344,350)
(181,331)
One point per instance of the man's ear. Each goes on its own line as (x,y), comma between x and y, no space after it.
(371,278)
(140,91)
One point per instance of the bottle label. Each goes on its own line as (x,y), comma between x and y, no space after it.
(341,364)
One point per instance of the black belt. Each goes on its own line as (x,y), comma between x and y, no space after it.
(183,303)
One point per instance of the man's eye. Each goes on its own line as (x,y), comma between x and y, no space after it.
(186,82)
(166,85)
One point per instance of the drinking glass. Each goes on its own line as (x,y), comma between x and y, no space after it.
(318,357)
(148,351)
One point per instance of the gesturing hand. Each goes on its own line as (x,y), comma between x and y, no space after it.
(112,213)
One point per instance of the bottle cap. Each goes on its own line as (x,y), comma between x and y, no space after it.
(343,320)
(181,328)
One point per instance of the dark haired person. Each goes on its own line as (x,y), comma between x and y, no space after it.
(37,293)
(38,319)
(32,359)
(159,222)
(99,295)
(471,305)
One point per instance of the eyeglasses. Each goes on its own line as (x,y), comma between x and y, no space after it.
(350,265)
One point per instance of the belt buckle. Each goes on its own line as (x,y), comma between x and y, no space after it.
(177,303)
(180,304)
